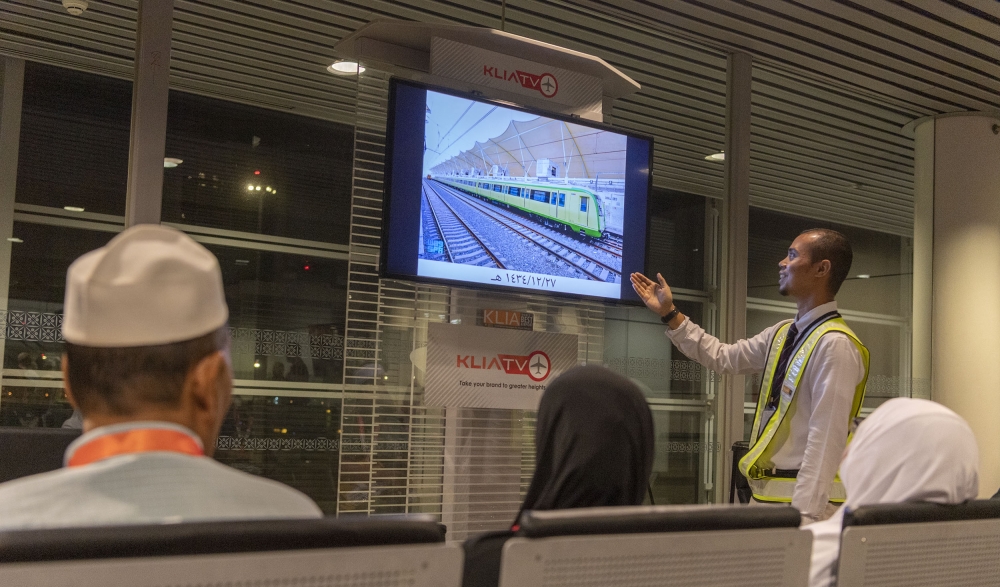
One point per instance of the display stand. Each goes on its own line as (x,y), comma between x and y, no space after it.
(488,454)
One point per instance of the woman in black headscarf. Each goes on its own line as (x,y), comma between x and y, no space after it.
(594,447)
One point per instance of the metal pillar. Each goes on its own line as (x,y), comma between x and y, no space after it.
(735,236)
(11,91)
(149,112)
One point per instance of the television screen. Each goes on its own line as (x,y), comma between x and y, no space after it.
(487,194)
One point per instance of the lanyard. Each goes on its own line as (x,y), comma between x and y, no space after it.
(134,441)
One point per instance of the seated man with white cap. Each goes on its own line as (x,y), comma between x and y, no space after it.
(147,365)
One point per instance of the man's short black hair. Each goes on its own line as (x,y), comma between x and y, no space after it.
(120,380)
(834,247)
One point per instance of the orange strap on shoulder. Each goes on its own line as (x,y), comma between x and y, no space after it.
(134,441)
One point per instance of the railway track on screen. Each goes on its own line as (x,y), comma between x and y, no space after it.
(461,245)
(586,264)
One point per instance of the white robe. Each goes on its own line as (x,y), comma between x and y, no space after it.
(907,450)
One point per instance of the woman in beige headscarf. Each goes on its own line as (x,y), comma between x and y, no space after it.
(907,450)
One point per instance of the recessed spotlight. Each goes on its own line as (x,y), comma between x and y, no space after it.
(720,156)
(250,188)
(73,208)
(864,276)
(171,162)
(345,67)
(257,188)
(14,239)
(256,364)
(268,189)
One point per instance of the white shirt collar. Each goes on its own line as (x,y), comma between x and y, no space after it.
(125,427)
(804,321)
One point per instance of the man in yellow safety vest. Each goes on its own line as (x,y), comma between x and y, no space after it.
(814,367)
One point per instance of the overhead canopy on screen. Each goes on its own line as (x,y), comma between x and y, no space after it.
(574,151)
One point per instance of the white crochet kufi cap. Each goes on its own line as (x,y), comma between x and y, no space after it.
(150,285)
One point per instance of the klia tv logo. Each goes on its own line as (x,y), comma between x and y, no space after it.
(536,365)
(545,83)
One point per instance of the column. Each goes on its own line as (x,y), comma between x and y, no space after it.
(149,112)
(957,274)
(735,239)
(11,90)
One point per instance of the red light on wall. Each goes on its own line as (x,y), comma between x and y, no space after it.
(256,172)
(306,267)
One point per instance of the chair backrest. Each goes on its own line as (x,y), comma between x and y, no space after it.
(659,546)
(921,544)
(319,553)
(27,451)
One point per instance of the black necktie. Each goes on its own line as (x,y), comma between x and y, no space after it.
(779,372)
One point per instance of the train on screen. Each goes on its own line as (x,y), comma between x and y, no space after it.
(571,208)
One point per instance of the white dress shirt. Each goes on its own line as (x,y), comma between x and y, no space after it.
(825,393)
(145,488)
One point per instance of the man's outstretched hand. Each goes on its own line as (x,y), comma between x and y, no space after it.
(656,296)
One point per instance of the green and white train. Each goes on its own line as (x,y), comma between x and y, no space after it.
(573,208)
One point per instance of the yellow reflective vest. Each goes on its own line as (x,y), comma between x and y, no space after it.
(766,438)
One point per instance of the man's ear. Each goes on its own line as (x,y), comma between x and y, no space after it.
(201,384)
(66,388)
(823,268)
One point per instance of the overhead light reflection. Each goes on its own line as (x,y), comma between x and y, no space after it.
(720,156)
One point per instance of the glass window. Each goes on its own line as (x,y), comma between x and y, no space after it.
(562,200)
(497,187)
(254,170)
(583,203)
(74,140)
(677,239)
(287,438)
(680,450)
(515,191)
(635,346)
(287,313)
(879,274)
(540,196)
(37,288)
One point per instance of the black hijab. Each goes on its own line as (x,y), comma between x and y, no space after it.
(593,441)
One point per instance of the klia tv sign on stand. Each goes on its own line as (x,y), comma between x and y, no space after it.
(476,367)
(475,65)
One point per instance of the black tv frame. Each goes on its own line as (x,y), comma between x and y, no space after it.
(384,273)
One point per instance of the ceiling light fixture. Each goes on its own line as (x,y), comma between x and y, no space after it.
(250,188)
(864,276)
(73,208)
(720,156)
(345,67)
(14,239)
(171,162)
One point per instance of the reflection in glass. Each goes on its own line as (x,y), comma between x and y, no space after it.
(679,451)
(293,440)
(74,140)
(255,170)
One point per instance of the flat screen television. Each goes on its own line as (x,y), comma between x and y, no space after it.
(486,194)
